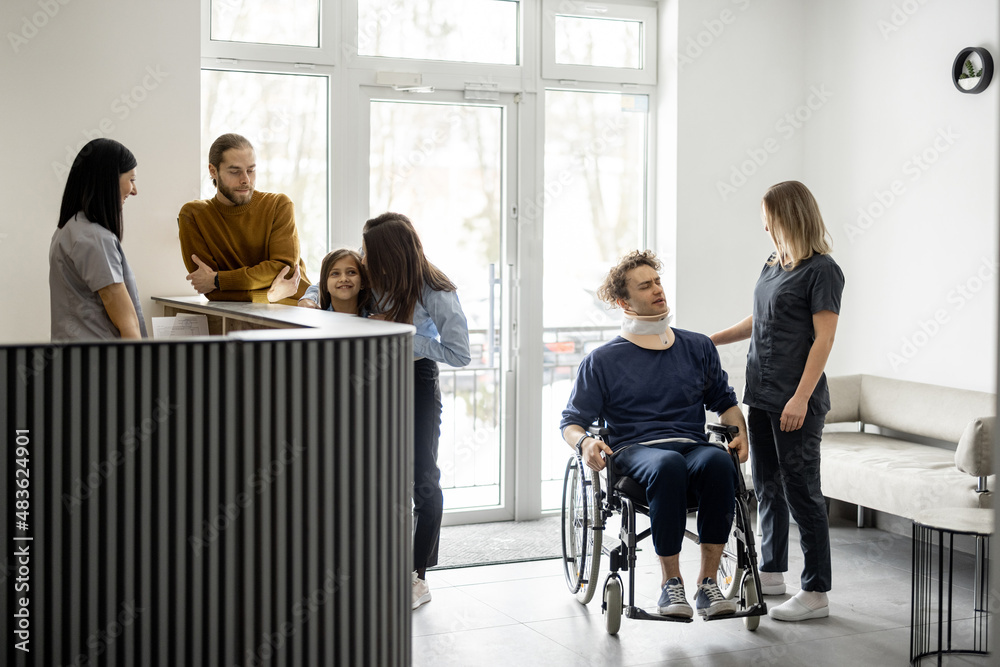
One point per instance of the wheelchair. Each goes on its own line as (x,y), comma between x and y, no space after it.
(590,498)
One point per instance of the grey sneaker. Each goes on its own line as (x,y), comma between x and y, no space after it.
(710,601)
(673,601)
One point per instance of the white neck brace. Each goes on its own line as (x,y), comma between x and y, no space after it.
(650,332)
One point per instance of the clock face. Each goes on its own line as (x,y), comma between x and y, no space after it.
(972,70)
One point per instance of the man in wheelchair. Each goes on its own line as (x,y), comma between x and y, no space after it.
(652,385)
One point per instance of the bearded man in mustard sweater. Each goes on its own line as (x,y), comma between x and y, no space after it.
(241,244)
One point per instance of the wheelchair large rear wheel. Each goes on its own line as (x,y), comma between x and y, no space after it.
(581,529)
(731,571)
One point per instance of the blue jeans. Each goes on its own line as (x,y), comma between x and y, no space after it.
(678,475)
(785,468)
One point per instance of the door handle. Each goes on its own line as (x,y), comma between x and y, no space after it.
(491,335)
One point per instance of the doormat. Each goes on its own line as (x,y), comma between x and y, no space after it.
(501,542)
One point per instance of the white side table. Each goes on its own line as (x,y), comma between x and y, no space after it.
(933,578)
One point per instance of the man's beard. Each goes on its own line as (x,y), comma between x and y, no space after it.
(237,199)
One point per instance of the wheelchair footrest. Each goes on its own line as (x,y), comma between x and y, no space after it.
(759,609)
(639,612)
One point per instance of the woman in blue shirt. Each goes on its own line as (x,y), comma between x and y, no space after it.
(410,289)
(791,331)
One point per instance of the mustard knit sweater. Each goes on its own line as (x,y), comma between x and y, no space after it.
(248,245)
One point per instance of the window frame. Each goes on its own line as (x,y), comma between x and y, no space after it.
(349,74)
(642,13)
(324,54)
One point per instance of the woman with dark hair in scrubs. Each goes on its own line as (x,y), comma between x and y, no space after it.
(92,290)
(791,331)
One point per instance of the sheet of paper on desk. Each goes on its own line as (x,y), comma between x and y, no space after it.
(184,325)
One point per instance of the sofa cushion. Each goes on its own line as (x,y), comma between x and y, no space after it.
(929,410)
(974,454)
(894,476)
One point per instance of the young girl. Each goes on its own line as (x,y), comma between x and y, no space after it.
(796,304)
(343,285)
(410,289)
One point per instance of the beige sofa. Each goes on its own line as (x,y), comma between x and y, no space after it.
(949,465)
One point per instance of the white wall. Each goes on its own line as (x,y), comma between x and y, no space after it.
(867,98)
(66,65)
(921,263)
(739,71)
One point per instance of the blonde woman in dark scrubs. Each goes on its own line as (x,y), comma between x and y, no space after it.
(791,331)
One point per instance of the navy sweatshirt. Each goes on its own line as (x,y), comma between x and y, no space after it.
(650,394)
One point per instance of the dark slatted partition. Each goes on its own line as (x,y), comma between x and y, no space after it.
(209,502)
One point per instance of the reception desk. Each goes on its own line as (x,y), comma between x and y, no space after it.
(225,317)
(239,499)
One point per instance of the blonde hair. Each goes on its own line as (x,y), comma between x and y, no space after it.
(795,224)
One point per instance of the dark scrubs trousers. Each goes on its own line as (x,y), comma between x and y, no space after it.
(785,467)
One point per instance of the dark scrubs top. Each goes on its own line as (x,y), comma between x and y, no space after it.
(783,305)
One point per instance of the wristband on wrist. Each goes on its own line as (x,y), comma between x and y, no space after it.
(216,280)
(579,443)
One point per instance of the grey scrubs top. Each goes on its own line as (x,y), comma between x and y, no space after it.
(783,305)
(83,258)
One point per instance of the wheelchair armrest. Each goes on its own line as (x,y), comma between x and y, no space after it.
(599,429)
(727,433)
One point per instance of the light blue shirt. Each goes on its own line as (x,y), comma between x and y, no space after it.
(442,329)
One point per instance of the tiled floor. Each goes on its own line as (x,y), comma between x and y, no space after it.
(523,614)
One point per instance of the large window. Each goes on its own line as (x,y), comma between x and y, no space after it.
(472,31)
(454,151)
(599,41)
(595,212)
(285,118)
(289,23)
(516,135)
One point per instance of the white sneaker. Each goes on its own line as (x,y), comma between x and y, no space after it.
(795,609)
(421,591)
(772,583)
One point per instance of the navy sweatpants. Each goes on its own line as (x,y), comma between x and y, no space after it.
(681,474)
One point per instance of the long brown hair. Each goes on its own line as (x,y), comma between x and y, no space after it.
(397,266)
(795,224)
(365,300)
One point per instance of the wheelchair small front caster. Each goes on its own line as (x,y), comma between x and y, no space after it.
(612,606)
(750,598)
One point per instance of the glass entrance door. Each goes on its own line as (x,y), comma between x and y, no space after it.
(442,162)
(596,148)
